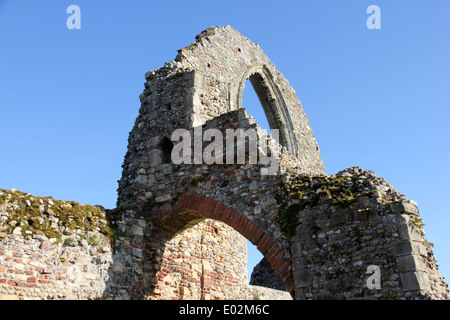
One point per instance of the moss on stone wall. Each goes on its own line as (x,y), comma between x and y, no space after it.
(343,190)
(32,215)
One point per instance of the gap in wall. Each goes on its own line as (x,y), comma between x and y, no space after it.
(250,102)
(253,258)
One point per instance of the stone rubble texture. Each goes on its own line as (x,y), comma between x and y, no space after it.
(179,230)
(263,274)
(51,249)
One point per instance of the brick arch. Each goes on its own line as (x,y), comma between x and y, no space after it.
(209,208)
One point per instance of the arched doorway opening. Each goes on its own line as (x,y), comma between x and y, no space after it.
(199,252)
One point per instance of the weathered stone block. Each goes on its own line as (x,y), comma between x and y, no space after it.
(155,158)
(406,207)
(301,232)
(415,281)
(410,263)
(338,218)
(296,248)
(151,179)
(163,198)
(118,267)
(402,248)
(391,220)
(141,179)
(299,263)
(136,230)
(303,278)
(407,229)
(270,202)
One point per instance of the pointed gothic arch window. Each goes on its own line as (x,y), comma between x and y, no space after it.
(250,101)
(272,103)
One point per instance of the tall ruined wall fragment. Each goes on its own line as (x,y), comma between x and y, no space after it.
(205,80)
(202,88)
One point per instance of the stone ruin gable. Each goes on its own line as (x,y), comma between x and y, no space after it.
(205,80)
(223,59)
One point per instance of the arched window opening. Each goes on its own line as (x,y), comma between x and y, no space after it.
(251,102)
(273,104)
(165,147)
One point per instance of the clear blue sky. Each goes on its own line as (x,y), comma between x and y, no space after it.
(377,99)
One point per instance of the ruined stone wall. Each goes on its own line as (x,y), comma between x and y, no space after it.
(338,226)
(51,249)
(30,269)
(207,262)
(343,226)
(241,188)
(203,262)
(63,250)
